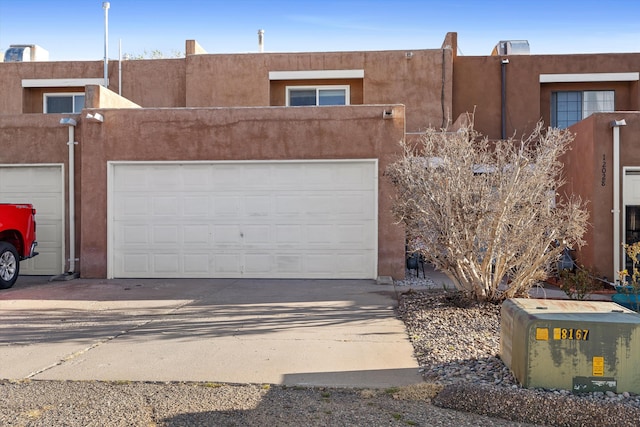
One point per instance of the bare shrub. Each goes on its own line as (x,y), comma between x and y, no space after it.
(486,212)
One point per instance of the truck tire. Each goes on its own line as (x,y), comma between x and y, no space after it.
(9,265)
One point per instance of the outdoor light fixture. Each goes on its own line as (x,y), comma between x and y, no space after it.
(68,121)
(95,117)
(387,114)
(408,55)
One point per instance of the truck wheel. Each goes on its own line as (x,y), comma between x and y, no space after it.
(9,265)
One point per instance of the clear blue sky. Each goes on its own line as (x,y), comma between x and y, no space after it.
(74,29)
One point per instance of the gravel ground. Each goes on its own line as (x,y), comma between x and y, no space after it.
(466,384)
(457,344)
(44,403)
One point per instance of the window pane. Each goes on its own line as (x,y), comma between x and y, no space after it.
(332,97)
(59,104)
(566,108)
(78,103)
(598,102)
(299,97)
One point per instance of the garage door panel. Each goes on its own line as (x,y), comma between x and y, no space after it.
(47,233)
(321,264)
(287,264)
(271,219)
(196,234)
(255,205)
(227,235)
(226,206)
(165,206)
(131,206)
(227,264)
(165,263)
(197,264)
(257,235)
(167,235)
(35,179)
(354,234)
(131,234)
(254,177)
(197,178)
(42,186)
(45,263)
(319,205)
(130,180)
(289,234)
(320,233)
(134,263)
(258,265)
(351,262)
(195,205)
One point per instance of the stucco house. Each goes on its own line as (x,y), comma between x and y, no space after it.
(272,165)
(209,166)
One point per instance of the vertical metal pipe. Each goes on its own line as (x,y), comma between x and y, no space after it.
(120,67)
(261,41)
(503,98)
(617,243)
(72,205)
(105,6)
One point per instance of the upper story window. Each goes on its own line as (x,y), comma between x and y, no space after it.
(71,103)
(569,107)
(317,95)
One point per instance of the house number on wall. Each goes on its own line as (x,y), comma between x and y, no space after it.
(604,170)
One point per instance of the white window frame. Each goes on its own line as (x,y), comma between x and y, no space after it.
(318,88)
(585,105)
(61,95)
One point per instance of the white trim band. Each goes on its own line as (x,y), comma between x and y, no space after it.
(316,74)
(589,77)
(61,82)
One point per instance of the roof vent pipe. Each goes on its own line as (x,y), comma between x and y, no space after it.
(105,6)
(261,41)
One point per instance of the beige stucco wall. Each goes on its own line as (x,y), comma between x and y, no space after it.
(267,133)
(12,74)
(389,77)
(101,97)
(419,79)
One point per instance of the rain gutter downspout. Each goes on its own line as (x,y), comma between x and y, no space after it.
(71,124)
(72,202)
(616,124)
(503,97)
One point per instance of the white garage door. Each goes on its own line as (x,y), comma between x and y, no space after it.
(42,186)
(311,219)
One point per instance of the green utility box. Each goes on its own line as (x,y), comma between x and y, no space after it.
(572,345)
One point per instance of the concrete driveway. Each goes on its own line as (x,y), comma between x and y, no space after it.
(295,332)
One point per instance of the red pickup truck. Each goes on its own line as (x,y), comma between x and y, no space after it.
(17,240)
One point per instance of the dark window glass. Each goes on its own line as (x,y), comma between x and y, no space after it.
(302,97)
(59,104)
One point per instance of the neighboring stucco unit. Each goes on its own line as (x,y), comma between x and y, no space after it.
(589,173)
(38,140)
(477,86)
